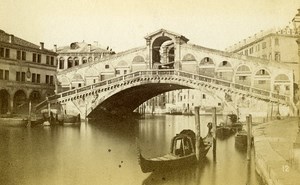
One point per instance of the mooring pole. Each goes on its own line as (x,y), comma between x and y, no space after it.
(29,115)
(214,122)
(198,132)
(49,112)
(249,136)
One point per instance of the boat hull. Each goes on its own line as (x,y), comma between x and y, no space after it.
(148,165)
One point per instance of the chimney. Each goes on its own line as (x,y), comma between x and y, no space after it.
(41,45)
(89,47)
(11,39)
(55,48)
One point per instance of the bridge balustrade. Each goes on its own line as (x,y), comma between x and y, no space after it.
(261,92)
(163,72)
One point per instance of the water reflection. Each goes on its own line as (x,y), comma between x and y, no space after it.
(104,152)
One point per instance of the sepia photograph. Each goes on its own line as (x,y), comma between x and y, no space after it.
(147,92)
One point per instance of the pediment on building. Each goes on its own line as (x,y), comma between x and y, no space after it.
(164,32)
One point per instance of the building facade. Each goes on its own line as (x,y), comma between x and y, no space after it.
(27,73)
(78,53)
(279,45)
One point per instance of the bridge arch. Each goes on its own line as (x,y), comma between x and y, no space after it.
(262,79)
(4,101)
(19,101)
(207,67)
(138,60)
(77,81)
(282,84)
(188,57)
(158,52)
(243,75)
(224,71)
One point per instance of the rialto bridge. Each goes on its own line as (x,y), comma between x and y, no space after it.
(121,82)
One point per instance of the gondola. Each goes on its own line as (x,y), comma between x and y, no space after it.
(183,153)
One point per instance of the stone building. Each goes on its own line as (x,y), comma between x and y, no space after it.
(78,53)
(27,73)
(278,45)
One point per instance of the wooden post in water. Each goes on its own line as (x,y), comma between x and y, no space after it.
(49,112)
(29,115)
(198,132)
(249,136)
(214,122)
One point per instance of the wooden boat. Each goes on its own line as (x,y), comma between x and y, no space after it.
(183,153)
(241,139)
(231,126)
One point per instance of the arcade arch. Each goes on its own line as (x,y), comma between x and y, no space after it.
(4,101)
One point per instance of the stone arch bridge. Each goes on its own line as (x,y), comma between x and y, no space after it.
(121,82)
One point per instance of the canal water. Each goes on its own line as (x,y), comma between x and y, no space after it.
(105,152)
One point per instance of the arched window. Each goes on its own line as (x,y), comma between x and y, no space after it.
(207,61)
(84,60)
(61,63)
(76,61)
(225,64)
(70,62)
(90,59)
(138,59)
(189,57)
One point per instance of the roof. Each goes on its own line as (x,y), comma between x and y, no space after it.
(166,31)
(82,47)
(14,40)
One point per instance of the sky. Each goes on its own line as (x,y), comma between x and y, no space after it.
(123,24)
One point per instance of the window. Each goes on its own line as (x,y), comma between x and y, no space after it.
(23,55)
(6,77)
(219,104)
(287,87)
(106,66)
(258,47)
(52,61)
(90,59)
(262,82)
(242,78)
(23,77)
(33,57)
(277,56)
(7,53)
(38,78)
(276,41)
(70,62)
(264,45)
(61,63)
(84,60)
(1,74)
(203,96)
(125,72)
(76,61)
(47,60)
(18,78)
(39,58)
(18,55)
(47,79)
(1,52)
(118,72)
(251,50)
(51,80)
(246,52)
(264,56)
(33,77)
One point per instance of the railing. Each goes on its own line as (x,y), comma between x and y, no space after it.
(175,73)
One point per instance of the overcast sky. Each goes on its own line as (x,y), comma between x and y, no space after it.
(122,24)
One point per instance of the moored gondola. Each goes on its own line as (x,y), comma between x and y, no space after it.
(183,153)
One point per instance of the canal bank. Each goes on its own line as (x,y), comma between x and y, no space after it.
(275,156)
